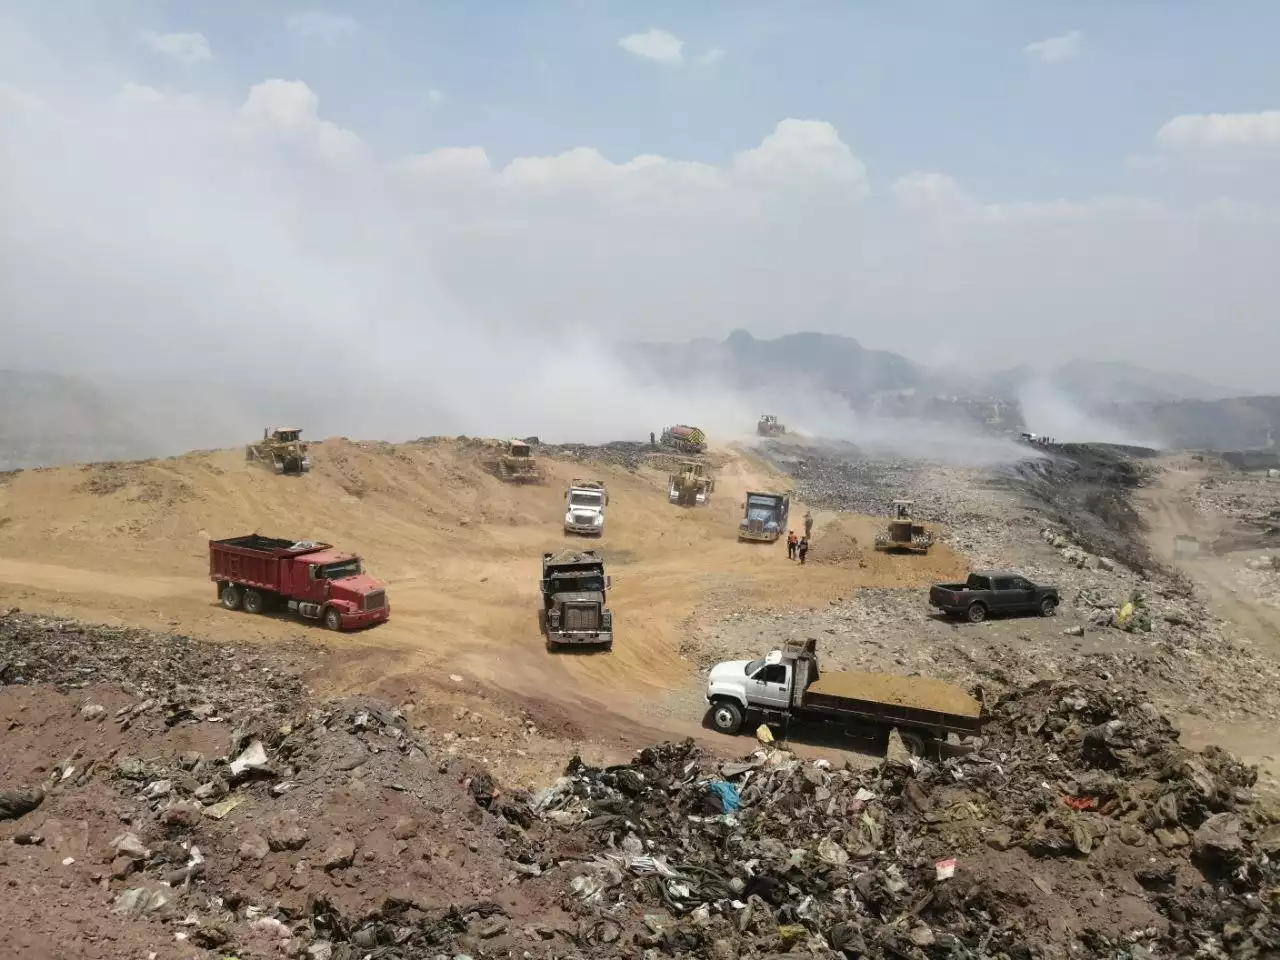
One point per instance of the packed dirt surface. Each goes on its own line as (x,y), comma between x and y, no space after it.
(220,784)
(460,552)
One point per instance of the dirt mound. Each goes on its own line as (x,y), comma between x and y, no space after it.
(205,805)
(833,543)
(209,806)
(459,550)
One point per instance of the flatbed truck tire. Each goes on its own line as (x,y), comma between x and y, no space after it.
(914,742)
(726,716)
(332,619)
(976,612)
(253,602)
(231,596)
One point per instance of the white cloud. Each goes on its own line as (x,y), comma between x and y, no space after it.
(1056,49)
(186,48)
(711,56)
(1221,130)
(654,44)
(291,110)
(322,25)
(920,191)
(259,229)
(436,96)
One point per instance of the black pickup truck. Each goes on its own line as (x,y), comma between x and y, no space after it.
(993,591)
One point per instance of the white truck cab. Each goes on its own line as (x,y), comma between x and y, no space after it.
(752,684)
(584,508)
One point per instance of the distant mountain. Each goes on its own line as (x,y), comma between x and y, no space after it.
(824,361)
(1236,423)
(46,418)
(1093,384)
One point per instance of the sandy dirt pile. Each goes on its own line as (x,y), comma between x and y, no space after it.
(126,543)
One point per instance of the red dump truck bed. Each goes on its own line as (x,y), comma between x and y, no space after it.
(259,573)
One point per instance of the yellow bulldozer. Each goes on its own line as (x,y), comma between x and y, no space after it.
(691,486)
(514,462)
(768,426)
(282,448)
(903,533)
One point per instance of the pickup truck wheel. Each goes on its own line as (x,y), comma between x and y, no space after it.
(1048,607)
(977,612)
(333,618)
(231,597)
(253,602)
(726,716)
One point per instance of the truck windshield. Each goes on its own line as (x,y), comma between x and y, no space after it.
(587,583)
(760,509)
(585,500)
(753,666)
(339,571)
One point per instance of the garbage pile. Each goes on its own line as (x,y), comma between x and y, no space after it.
(1078,827)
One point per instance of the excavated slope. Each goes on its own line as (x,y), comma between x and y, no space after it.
(459,550)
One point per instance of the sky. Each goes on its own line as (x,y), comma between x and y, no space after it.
(439,194)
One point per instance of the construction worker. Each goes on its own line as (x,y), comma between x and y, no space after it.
(791,544)
(802,549)
(808,523)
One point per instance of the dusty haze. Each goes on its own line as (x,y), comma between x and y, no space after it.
(160,234)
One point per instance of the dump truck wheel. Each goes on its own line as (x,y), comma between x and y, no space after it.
(333,619)
(253,602)
(726,716)
(552,645)
(976,613)
(231,597)
(1048,607)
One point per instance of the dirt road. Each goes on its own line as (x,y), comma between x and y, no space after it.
(459,549)
(1170,511)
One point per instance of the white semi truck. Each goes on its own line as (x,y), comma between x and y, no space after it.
(585,501)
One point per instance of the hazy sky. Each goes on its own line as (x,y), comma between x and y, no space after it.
(407,191)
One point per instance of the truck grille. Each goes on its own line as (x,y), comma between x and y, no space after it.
(375,600)
(581,617)
(755,526)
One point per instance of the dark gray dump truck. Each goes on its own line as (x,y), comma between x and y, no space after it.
(993,592)
(573,600)
(786,685)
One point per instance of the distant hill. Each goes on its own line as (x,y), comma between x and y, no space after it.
(824,361)
(46,418)
(1093,384)
(1236,423)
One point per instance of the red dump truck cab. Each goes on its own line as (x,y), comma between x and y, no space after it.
(258,574)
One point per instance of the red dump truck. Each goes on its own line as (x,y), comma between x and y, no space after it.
(257,574)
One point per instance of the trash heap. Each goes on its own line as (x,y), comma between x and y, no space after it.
(1078,827)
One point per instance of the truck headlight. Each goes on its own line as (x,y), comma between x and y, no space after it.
(598,519)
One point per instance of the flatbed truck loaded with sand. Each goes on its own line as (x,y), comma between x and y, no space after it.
(786,685)
(259,574)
